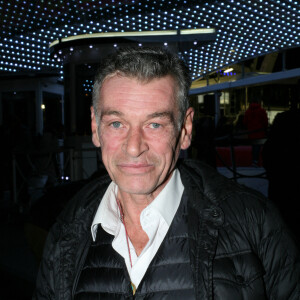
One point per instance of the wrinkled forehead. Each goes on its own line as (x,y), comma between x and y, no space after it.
(119,83)
(170,83)
(119,92)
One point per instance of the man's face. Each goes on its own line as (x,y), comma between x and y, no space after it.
(139,133)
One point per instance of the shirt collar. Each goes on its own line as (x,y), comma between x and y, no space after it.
(107,213)
(167,201)
(166,204)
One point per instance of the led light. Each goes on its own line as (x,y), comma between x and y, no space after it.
(228,70)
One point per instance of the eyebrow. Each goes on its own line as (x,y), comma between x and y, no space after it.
(162,115)
(165,114)
(110,113)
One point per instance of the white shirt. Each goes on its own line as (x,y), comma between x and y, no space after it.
(155,220)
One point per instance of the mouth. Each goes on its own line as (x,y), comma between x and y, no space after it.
(136,168)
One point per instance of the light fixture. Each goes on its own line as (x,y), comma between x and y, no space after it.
(228,70)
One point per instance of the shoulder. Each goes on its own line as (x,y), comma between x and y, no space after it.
(242,207)
(215,186)
(76,218)
(239,203)
(85,201)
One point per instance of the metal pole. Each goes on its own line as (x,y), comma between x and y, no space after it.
(232,154)
(71,165)
(217,108)
(246,98)
(14,179)
(72,103)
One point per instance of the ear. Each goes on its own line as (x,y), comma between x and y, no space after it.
(187,129)
(94,126)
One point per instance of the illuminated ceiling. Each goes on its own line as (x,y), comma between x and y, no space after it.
(244,28)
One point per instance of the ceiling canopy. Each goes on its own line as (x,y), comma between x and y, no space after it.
(243,29)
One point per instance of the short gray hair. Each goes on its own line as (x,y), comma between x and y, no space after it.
(145,64)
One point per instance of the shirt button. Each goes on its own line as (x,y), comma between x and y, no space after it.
(205,245)
(215,213)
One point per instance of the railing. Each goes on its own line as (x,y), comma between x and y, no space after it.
(31,170)
(233,140)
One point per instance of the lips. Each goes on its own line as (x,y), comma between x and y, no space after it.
(136,168)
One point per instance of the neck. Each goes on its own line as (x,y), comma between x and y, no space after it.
(133,204)
(130,213)
(131,207)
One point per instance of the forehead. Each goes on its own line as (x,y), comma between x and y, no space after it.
(118,88)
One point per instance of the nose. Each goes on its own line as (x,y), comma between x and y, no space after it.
(135,144)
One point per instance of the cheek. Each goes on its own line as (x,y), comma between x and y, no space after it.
(109,146)
(164,145)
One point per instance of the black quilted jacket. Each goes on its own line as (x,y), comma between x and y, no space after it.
(239,248)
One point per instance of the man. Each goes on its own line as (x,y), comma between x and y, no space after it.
(282,161)
(156,228)
(256,122)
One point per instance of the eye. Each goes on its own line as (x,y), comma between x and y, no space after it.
(155,125)
(116,124)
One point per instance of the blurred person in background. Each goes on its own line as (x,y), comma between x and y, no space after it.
(256,122)
(281,159)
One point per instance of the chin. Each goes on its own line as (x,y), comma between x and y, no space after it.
(136,189)
(137,186)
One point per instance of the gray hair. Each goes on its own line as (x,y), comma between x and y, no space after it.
(145,64)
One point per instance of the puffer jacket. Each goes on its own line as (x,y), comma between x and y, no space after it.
(239,247)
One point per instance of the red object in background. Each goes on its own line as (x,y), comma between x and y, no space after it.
(256,119)
(243,156)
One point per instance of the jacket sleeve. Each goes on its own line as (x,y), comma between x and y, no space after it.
(47,279)
(280,256)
